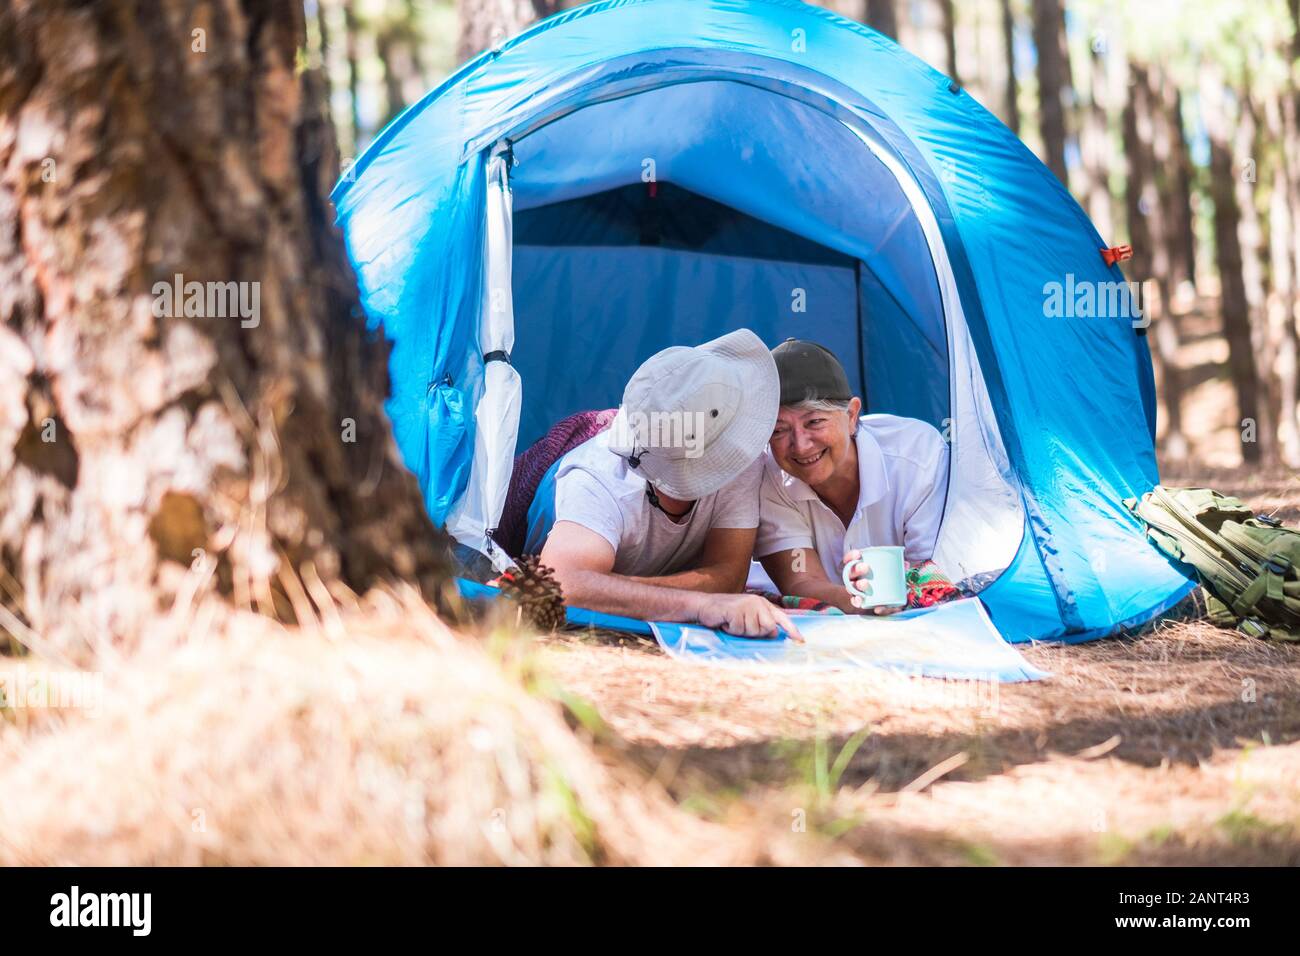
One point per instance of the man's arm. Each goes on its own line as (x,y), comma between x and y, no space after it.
(583,562)
(723,566)
(799,572)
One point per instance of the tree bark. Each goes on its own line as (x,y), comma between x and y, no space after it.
(881,17)
(1282,302)
(948,21)
(1097,150)
(1287,246)
(352,46)
(149,446)
(485,24)
(388,47)
(1012,88)
(1248,153)
(1228,259)
(1053,77)
(397,43)
(1182,231)
(1149,264)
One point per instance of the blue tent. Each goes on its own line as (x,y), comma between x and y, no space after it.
(633,174)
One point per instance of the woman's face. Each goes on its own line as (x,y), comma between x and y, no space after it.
(812,445)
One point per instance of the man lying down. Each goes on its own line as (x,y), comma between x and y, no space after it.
(723,452)
(655,517)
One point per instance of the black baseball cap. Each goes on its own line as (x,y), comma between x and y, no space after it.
(809,372)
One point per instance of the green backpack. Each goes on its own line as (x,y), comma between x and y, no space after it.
(1247,563)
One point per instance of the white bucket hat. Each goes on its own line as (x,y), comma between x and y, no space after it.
(693,419)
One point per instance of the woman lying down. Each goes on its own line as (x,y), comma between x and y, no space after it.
(718,454)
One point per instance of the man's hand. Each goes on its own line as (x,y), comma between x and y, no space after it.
(861,570)
(746,615)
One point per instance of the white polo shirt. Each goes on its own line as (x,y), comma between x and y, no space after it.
(903,483)
(596,489)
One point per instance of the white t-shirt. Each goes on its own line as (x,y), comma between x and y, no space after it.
(596,489)
(903,483)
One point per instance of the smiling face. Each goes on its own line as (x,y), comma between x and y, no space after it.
(814,444)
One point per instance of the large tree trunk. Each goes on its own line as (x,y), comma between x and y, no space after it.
(148,451)
(1053,78)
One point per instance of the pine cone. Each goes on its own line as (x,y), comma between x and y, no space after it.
(532,586)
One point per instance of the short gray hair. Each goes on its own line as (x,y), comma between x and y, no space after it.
(819,405)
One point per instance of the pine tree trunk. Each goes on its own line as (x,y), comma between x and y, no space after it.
(485,24)
(149,446)
(948,23)
(1264,345)
(1182,231)
(1053,77)
(397,43)
(1228,259)
(1149,264)
(1282,303)
(352,47)
(388,49)
(1012,88)
(1098,153)
(1287,247)
(881,17)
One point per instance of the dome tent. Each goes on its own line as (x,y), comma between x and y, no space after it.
(633,174)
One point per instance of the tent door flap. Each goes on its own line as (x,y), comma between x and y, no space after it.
(496,413)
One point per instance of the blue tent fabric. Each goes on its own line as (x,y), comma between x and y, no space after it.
(1072,397)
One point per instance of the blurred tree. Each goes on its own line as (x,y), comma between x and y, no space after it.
(1234,305)
(1009,47)
(1053,80)
(881,16)
(1282,306)
(153,438)
(948,24)
(1095,140)
(352,29)
(398,39)
(1177,176)
(1146,227)
(1248,154)
(485,23)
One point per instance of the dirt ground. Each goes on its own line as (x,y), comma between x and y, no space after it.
(1177,746)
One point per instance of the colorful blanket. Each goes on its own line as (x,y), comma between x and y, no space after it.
(926,587)
(530,467)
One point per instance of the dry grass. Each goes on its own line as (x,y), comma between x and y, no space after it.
(1176,746)
(395,742)
(374,735)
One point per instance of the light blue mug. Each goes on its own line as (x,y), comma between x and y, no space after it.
(886,584)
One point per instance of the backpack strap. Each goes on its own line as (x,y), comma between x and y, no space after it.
(1268,583)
